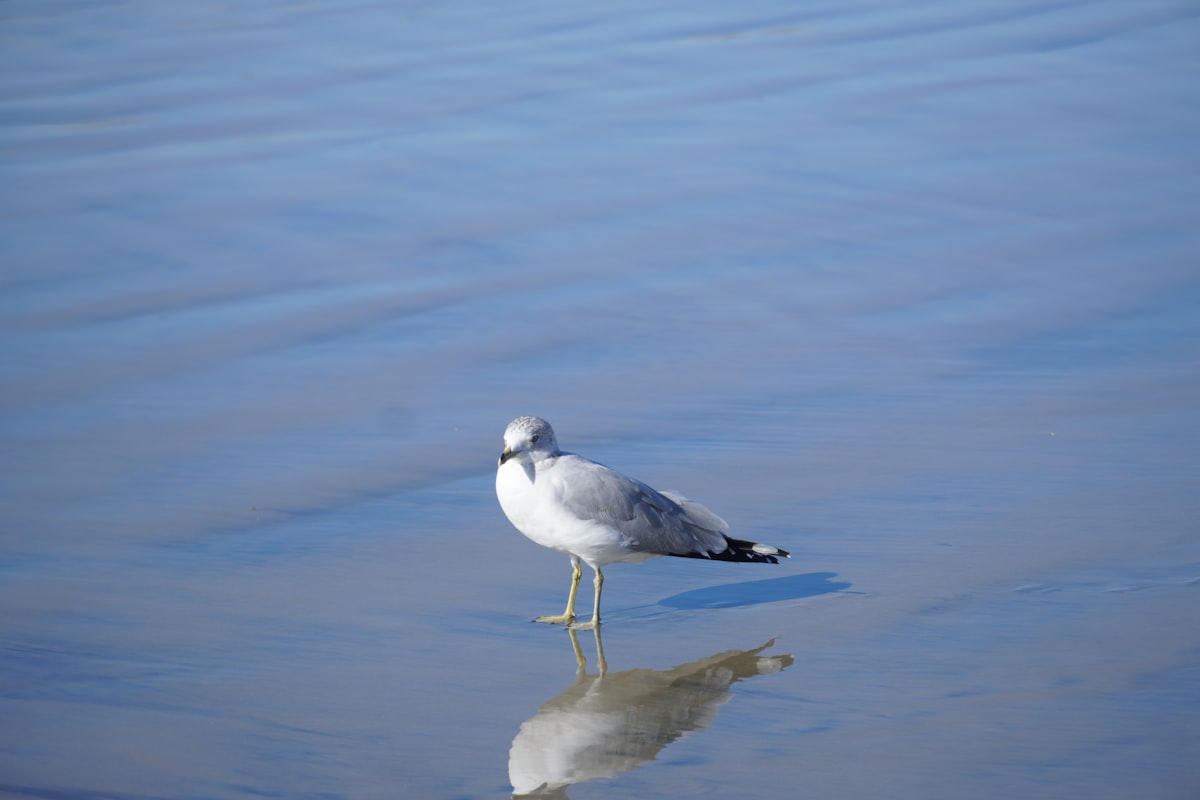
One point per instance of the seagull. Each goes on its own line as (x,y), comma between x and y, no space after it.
(599,516)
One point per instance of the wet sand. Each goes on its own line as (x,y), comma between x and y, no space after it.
(909,292)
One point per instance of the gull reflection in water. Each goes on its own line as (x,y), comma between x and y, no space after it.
(605,724)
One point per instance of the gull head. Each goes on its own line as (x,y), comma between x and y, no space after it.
(529,438)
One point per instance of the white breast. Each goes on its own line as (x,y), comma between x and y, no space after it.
(534,507)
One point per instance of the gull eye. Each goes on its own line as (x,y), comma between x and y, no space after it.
(535,438)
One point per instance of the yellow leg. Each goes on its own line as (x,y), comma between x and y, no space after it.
(595,623)
(568,616)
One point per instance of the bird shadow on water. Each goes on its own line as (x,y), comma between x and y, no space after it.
(752,593)
(607,723)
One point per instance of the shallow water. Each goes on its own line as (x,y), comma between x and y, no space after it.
(909,291)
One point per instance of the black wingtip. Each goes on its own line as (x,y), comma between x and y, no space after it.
(743,551)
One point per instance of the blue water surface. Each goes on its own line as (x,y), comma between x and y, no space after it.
(907,290)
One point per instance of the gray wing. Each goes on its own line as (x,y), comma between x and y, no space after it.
(655,522)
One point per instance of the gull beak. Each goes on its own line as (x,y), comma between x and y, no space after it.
(506,455)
